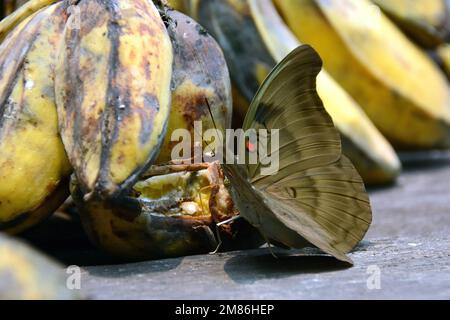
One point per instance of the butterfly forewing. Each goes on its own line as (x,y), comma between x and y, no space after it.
(316,194)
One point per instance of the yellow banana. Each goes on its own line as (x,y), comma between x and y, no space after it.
(171,213)
(34,168)
(113,92)
(200,82)
(443,57)
(22,12)
(399,87)
(254,38)
(28,275)
(427,22)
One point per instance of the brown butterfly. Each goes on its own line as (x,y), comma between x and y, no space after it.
(316,197)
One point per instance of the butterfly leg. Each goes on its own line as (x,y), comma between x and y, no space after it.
(218,225)
(270,247)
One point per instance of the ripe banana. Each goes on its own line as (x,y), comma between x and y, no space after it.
(27,275)
(113,92)
(200,82)
(427,22)
(171,213)
(254,38)
(399,87)
(34,168)
(443,57)
(23,11)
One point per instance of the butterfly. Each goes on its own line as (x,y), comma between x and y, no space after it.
(316,197)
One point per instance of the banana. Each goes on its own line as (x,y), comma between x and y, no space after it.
(200,82)
(442,55)
(113,92)
(427,22)
(178,5)
(171,212)
(12,19)
(28,275)
(399,87)
(34,169)
(254,38)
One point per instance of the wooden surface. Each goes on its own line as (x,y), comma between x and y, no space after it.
(409,243)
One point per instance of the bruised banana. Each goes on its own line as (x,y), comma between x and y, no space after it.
(22,12)
(427,22)
(34,169)
(27,275)
(399,87)
(113,92)
(172,210)
(200,83)
(254,38)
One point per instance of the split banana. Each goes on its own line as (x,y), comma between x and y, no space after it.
(254,39)
(113,92)
(382,70)
(171,213)
(425,21)
(34,169)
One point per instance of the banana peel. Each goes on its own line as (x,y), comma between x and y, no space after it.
(379,67)
(113,93)
(426,22)
(201,89)
(34,169)
(254,38)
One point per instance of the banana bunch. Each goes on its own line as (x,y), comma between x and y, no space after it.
(28,275)
(426,22)
(254,39)
(399,87)
(90,95)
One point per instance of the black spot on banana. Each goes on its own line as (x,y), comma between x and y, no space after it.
(113,93)
(34,168)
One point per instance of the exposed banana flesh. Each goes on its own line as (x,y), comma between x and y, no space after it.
(427,22)
(34,168)
(113,92)
(28,275)
(200,82)
(12,19)
(254,39)
(170,213)
(382,70)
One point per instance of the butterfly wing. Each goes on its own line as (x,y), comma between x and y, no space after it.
(316,192)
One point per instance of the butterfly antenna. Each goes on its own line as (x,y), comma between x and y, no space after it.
(270,247)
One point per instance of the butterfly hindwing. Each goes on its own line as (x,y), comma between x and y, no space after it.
(317,193)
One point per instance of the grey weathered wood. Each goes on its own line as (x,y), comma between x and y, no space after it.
(409,242)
